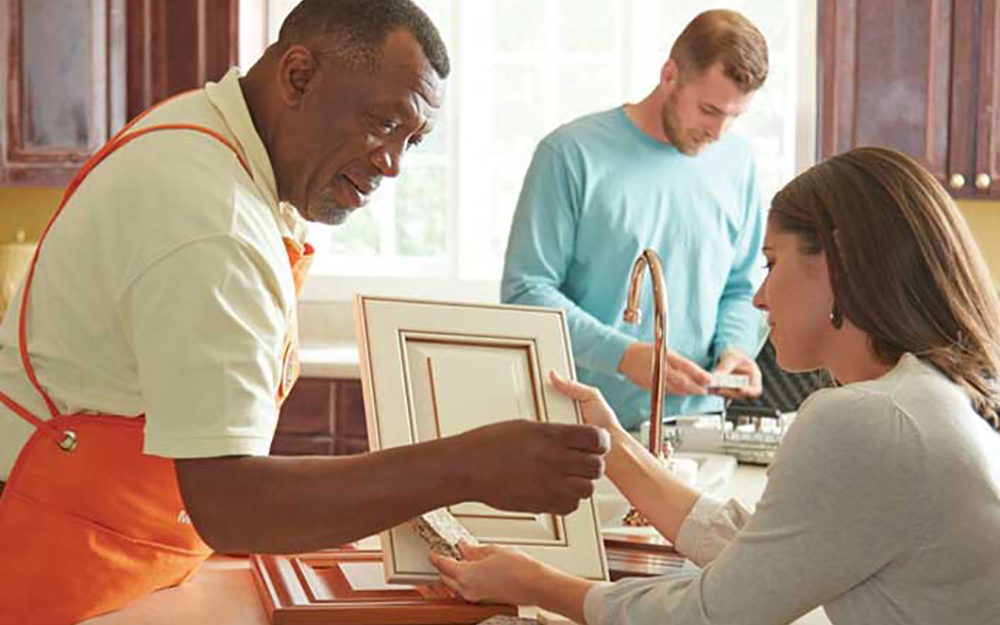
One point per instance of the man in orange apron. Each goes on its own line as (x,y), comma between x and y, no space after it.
(146,356)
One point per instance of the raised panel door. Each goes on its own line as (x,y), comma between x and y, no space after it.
(436,369)
(178,45)
(64,69)
(885,74)
(986,171)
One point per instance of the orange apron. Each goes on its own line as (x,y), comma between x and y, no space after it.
(88,522)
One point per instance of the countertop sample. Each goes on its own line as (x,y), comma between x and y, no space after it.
(223,592)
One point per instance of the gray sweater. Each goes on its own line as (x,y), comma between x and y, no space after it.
(882,505)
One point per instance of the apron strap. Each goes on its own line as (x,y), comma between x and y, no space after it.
(120,139)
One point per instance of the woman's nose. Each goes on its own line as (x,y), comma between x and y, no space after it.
(759,301)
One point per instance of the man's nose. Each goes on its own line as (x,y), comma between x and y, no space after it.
(388,160)
(717,127)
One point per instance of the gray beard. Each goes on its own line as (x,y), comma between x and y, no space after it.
(326,211)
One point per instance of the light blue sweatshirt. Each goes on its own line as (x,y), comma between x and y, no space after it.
(597,193)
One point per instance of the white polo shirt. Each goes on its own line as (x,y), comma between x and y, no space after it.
(164,289)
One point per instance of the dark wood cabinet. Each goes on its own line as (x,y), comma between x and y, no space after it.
(322,417)
(178,45)
(918,76)
(986,25)
(63,66)
(74,72)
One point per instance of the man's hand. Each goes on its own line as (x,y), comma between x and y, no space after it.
(684,377)
(534,467)
(735,360)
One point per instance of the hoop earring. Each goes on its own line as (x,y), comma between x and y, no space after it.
(836,317)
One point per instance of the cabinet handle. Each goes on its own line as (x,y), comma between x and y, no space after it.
(983,181)
(957,181)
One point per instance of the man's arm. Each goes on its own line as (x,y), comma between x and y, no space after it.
(206,326)
(287,505)
(539,252)
(738,325)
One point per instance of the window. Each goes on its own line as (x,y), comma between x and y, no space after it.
(520,69)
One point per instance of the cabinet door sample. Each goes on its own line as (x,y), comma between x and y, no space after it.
(346,586)
(435,369)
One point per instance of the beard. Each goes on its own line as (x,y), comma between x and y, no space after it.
(675,132)
(325,209)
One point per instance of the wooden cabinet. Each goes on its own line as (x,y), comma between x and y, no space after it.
(322,417)
(74,72)
(177,45)
(985,26)
(63,66)
(918,76)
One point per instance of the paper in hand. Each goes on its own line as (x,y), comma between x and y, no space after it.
(729,380)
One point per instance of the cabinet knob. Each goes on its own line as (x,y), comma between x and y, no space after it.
(983,181)
(957,181)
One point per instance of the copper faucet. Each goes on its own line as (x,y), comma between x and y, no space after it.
(633,315)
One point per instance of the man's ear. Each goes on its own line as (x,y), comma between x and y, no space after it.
(670,76)
(298,70)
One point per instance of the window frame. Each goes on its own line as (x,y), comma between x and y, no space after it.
(461,241)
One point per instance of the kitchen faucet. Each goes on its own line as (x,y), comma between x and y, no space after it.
(633,316)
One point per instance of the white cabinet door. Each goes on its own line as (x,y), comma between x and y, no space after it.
(435,369)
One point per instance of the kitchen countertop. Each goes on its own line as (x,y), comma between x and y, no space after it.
(334,359)
(223,592)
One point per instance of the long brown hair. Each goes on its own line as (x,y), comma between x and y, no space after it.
(903,264)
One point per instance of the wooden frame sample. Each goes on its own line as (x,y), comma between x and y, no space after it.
(318,589)
(435,369)
(648,555)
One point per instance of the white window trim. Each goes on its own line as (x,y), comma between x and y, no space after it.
(808,88)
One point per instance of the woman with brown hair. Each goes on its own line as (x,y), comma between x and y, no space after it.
(883,502)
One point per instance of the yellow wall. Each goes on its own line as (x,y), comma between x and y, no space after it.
(26,209)
(984,219)
(29,209)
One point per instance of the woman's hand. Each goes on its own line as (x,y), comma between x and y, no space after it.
(596,410)
(489,574)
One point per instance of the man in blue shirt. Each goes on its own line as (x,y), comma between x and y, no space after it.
(656,174)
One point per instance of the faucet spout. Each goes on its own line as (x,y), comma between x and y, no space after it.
(633,315)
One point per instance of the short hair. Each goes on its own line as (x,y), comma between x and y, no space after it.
(353,31)
(727,37)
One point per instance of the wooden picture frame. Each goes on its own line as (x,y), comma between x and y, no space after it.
(433,369)
(339,586)
(323,588)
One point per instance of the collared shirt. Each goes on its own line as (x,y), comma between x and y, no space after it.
(164,289)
